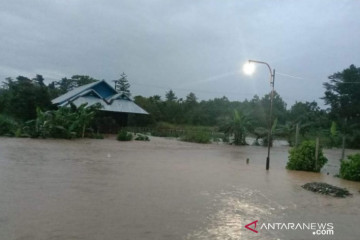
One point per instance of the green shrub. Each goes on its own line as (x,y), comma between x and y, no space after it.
(141,137)
(8,126)
(96,136)
(303,158)
(198,137)
(124,136)
(20,134)
(350,168)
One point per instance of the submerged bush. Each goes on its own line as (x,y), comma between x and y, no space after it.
(141,137)
(124,136)
(303,158)
(198,137)
(350,168)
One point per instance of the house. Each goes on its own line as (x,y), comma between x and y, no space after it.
(114,104)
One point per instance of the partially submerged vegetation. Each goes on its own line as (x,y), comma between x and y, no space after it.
(327,189)
(124,136)
(64,122)
(303,158)
(26,111)
(141,137)
(8,126)
(239,125)
(198,137)
(350,168)
(198,134)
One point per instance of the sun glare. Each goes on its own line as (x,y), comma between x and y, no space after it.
(249,68)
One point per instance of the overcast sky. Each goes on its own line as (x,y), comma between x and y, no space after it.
(194,45)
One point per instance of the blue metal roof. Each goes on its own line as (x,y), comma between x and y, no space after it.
(126,106)
(105,91)
(92,94)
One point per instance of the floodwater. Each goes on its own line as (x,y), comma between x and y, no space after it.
(162,189)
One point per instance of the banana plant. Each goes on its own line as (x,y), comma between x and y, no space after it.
(239,125)
(63,123)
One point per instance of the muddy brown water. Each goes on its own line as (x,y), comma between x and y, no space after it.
(162,189)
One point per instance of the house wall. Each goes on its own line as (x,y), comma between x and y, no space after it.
(110,122)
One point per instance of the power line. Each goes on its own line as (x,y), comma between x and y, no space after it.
(288,75)
(302,78)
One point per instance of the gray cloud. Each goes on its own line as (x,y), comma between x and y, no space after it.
(196,46)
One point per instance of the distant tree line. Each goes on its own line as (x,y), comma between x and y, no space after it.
(20,98)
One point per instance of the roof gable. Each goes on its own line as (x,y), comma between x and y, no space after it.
(102,88)
(121,96)
(100,92)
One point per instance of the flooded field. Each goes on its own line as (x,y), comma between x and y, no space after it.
(162,189)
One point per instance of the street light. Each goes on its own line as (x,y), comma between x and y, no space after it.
(249,68)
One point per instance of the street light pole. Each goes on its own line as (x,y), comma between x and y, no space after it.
(272,84)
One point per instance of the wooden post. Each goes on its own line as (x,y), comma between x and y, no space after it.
(316,153)
(297,135)
(343,148)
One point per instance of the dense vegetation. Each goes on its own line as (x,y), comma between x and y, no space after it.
(196,136)
(24,99)
(350,168)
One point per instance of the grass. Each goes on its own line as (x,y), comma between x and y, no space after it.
(197,137)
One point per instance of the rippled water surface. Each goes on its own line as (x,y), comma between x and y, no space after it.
(162,189)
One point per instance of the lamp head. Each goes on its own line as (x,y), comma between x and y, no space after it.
(249,68)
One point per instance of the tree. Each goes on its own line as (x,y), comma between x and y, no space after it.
(54,92)
(303,112)
(85,115)
(238,125)
(67,84)
(286,131)
(39,80)
(279,107)
(172,109)
(342,93)
(191,98)
(122,85)
(82,80)
(257,112)
(170,96)
(309,117)
(21,97)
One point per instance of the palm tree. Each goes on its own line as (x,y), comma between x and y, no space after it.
(287,131)
(84,116)
(239,125)
(260,133)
